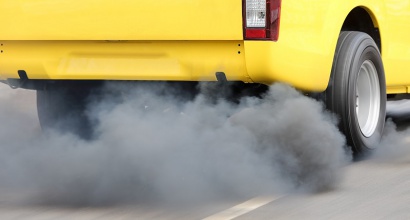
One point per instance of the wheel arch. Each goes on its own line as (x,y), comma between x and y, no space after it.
(360,17)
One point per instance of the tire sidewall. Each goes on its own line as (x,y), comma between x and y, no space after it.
(367,50)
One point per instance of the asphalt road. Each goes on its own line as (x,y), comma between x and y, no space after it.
(375,188)
(369,190)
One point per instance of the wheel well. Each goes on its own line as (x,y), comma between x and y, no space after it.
(359,19)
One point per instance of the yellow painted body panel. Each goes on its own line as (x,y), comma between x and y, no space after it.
(190,40)
(396,43)
(121,20)
(304,52)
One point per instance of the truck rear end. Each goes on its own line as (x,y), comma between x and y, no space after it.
(181,40)
(122,40)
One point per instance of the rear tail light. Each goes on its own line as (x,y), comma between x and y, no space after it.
(261,19)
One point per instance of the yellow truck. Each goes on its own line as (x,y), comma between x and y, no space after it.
(352,52)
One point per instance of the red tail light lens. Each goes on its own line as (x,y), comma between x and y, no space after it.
(261,19)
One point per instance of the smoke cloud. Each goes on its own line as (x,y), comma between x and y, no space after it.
(395,145)
(151,145)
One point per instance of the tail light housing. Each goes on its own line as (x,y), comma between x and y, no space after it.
(261,19)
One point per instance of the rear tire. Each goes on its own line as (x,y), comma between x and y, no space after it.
(357,91)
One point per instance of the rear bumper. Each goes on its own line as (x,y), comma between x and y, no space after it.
(247,61)
(124,60)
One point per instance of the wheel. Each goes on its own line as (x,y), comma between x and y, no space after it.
(64,110)
(357,91)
